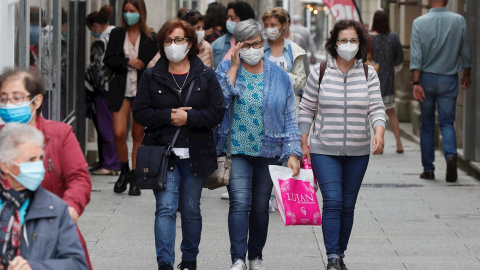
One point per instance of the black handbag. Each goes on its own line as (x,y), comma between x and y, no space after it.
(152,161)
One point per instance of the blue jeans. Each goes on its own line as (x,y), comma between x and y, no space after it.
(249,190)
(183,190)
(442,91)
(339,179)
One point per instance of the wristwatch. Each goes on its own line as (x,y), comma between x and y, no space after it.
(415,83)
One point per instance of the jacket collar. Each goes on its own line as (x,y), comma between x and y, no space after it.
(40,125)
(440,9)
(41,206)
(196,67)
(286,43)
(333,64)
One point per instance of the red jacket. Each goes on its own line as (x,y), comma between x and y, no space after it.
(66,168)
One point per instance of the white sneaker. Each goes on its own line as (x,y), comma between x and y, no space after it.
(239,265)
(256,264)
(225,196)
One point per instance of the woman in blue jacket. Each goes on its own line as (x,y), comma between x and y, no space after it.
(39,234)
(160,107)
(264,132)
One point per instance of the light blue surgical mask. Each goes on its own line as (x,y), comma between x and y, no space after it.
(18,113)
(95,34)
(131,18)
(231,26)
(31,174)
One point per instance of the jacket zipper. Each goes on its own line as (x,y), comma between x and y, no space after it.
(345,117)
(52,166)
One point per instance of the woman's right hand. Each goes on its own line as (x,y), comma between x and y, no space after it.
(136,63)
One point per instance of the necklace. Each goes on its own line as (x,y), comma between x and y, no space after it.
(179,90)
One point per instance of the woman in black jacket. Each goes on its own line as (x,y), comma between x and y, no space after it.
(160,107)
(129,50)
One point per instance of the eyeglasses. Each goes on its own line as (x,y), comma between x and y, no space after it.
(255,45)
(15,99)
(342,41)
(178,40)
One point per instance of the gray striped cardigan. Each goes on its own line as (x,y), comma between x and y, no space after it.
(347,103)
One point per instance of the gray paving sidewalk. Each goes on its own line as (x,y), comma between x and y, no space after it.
(401,222)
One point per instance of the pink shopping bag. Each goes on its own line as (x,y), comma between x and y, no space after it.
(296,199)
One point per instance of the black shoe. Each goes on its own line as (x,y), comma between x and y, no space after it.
(134,190)
(333,264)
(165,266)
(451,170)
(342,264)
(187,265)
(427,175)
(122,182)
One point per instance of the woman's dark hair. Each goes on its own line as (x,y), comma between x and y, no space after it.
(192,17)
(181,12)
(380,22)
(142,10)
(216,15)
(101,17)
(331,44)
(167,29)
(242,9)
(32,82)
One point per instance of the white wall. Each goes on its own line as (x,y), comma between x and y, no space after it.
(7,32)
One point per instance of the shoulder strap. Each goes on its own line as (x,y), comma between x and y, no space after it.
(178,129)
(365,68)
(323,66)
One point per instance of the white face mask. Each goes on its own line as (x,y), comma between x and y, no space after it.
(200,36)
(176,53)
(347,51)
(252,56)
(273,33)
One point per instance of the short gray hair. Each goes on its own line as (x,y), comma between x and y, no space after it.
(247,29)
(14,134)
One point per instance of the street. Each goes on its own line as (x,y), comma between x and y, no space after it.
(401,222)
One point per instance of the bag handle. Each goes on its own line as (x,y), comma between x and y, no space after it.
(178,129)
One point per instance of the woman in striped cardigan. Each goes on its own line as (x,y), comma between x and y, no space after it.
(341,106)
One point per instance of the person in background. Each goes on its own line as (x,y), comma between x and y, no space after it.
(439,49)
(96,83)
(129,49)
(388,52)
(297,27)
(21,99)
(215,19)
(223,46)
(162,113)
(28,211)
(181,12)
(204,49)
(348,99)
(288,55)
(264,132)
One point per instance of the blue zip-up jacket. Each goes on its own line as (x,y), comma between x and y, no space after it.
(49,235)
(282,136)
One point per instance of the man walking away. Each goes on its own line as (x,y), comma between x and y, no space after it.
(439,50)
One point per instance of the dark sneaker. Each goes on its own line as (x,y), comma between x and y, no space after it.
(451,170)
(165,266)
(427,175)
(333,264)
(187,265)
(342,264)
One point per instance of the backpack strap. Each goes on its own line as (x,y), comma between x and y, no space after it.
(365,68)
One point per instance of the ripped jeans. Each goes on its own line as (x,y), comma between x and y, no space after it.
(184,190)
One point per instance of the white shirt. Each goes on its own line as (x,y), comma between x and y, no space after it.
(131,52)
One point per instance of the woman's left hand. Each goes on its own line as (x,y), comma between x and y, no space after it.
(19,263)
(378,140)
(294,165)
(179,116)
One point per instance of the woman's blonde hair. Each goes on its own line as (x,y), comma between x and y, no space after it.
(278,13)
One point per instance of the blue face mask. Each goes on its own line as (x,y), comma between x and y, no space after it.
(131,18)
(65,34)
(31,174)
(231,26)
(95,34)
(19,113)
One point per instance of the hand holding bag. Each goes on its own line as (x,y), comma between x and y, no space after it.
(152,161)
(296,199)
(221,176)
